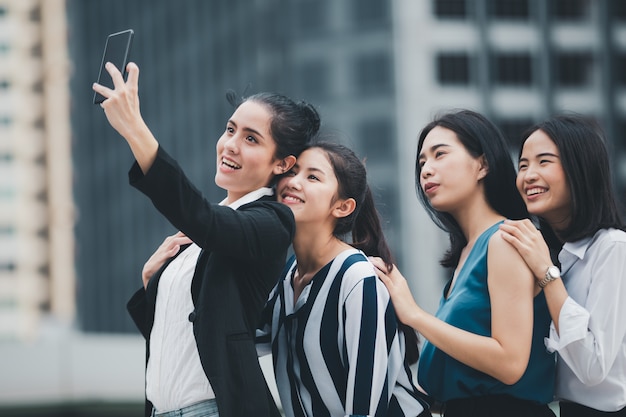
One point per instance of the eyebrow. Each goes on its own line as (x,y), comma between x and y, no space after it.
(311,169)
(432,149)
(540,155)
(247,129)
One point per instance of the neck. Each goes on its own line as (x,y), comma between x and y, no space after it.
(315,248)
(475,218)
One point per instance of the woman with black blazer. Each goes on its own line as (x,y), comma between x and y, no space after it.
(205,286)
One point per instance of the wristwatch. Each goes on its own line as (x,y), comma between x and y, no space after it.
(552,273)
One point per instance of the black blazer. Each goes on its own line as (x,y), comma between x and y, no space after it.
(243,253)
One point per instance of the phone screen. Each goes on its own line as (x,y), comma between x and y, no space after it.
(116,51)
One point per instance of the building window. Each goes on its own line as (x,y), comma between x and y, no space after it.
(513,69)
(620,69)
(570,9)
(7,266)
(573,69)
(618,9)
(373,73)
(453,68)
(450,9)
(7,230)
(368,13)
(314,79)
(509,9)
(5,120)
(311,16)
(513,131)
(376,138)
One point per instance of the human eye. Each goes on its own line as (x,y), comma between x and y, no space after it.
(313,177)
(522,165)
(251,139)
(230,129)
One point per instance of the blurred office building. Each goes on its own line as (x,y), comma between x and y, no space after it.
(74,235)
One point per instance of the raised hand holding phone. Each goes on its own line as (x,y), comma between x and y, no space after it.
(121,108)
(116,51)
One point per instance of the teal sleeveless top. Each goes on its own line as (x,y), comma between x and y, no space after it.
(468,307)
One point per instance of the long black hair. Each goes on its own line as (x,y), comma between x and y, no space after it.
(585,160)
(364,223)
(481,138)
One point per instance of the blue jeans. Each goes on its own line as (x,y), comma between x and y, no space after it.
(206,408)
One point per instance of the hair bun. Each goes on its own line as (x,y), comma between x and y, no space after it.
(312,117)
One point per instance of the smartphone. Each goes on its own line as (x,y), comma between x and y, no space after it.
(116,51)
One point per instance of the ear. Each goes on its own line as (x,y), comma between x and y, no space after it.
(284,165)
(343,208)
(483,168)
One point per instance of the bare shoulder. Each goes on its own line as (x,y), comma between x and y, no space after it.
(498,246)
(504,259)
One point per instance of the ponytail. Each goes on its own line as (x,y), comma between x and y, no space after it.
(367,232)
(367,235)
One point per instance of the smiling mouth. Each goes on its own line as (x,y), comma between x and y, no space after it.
(291,199)
(230,164)
(534,191)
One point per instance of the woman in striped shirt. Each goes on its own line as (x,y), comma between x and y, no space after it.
(329,323)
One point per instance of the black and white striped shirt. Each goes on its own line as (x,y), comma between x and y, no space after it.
(337,351)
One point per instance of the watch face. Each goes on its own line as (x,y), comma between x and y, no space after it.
(553,272)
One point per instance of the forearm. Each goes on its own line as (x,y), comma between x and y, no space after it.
(483,353)
(143,145)
(555,294)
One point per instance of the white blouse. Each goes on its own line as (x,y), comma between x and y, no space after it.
(174,375)
(591,344)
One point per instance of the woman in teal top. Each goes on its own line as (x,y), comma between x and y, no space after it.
(468,307)
(484,354)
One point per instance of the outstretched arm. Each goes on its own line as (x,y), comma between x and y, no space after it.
(121,108)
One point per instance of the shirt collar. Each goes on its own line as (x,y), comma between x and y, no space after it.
(579,247)
(249,198)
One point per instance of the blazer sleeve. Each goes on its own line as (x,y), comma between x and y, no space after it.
(255,231)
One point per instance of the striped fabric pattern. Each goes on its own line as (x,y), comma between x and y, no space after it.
(337,351)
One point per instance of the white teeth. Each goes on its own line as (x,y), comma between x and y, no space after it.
(292,199)
(230,164)
(534,191)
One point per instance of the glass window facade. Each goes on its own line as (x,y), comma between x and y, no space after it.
(453,68)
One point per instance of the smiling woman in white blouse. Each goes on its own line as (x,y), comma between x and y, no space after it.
(565,179)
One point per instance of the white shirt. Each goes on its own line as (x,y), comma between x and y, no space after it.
(174,374)
(591,365)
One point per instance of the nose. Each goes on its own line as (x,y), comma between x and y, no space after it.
(230,144)
(529,174)
(293,182)
(426,170)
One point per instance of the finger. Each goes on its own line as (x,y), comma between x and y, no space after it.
(115,74)
(183,240)
(102,90)
(133,74)
(376,261)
